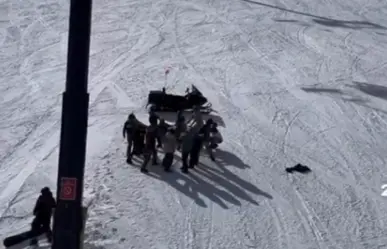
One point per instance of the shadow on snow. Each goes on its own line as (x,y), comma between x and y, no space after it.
(373,90)
(218,184)
(329,22)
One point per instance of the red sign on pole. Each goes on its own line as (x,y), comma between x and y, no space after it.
(68,189)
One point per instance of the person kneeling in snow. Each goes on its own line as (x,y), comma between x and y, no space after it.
(169,146)
(43,211)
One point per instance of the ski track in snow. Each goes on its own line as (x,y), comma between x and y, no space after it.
(294,81)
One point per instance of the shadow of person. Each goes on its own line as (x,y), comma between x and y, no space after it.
(326,21)
(378,91)
(228,178)
(219,178)
(191,186)
(225,157)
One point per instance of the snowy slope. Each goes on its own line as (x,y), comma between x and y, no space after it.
(294,81)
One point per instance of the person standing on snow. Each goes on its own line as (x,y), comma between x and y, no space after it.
(214,139)
(206,132)
(181,127)
(197,144)
(43,211)
(129,131)
(169,146)
(215,136)
(150,144)
(186,147)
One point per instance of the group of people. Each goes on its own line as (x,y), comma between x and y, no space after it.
(187,136)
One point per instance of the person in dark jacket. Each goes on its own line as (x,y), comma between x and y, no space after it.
(162,131)
(197,144)
(43,211)
(181,127)
(129,131)
(186,147)
(169,147)
(200,139)
(150,145)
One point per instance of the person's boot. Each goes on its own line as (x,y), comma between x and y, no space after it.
(144,170)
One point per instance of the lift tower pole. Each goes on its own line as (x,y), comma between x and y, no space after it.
(68,220)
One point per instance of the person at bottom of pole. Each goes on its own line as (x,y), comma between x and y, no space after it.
(169,147)
(150,145)
(43,212)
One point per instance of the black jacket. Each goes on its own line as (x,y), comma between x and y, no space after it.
(44,206)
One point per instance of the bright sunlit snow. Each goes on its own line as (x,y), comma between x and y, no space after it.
(294,81)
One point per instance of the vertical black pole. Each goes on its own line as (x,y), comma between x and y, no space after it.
(68,214)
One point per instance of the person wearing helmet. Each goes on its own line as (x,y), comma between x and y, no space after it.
(43,211)
(129,131)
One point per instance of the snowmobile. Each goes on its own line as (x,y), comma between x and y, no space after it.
(160,101)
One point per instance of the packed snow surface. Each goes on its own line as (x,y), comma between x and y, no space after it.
(293,81)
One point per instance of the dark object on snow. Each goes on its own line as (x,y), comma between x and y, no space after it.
(21,237)
(43,212)
(41,223)
(299,168)
(130,131)
(162,101)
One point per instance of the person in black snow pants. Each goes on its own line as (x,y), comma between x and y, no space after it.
(197,143)
(153,117)
(43,211)
(150,145)
(181,127)
(186,147)
(129,131)
(206,130)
